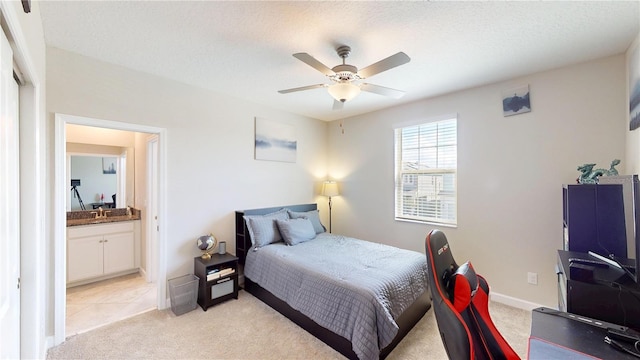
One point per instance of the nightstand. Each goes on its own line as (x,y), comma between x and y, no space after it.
(218,279)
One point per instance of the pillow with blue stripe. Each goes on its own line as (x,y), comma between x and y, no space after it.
(263,229)
(313,216)
(296,231)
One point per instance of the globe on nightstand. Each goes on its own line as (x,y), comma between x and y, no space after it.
(206,243)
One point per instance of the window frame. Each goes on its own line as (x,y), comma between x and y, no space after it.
(400,172)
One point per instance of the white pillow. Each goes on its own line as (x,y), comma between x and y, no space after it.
(313,216)
(296,231)
(263,229)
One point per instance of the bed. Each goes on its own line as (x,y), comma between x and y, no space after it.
(360,298)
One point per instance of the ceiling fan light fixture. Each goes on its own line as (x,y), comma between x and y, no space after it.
(344,91)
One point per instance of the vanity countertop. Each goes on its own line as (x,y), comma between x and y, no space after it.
(88,217)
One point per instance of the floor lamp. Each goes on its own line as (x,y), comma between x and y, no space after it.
(329,189)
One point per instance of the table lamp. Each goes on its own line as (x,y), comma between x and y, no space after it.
(330,188)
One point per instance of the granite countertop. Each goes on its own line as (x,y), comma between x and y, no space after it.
(88,217)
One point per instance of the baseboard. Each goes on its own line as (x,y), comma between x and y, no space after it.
(514,302)
(104,277)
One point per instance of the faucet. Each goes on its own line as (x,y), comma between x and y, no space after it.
(100,214)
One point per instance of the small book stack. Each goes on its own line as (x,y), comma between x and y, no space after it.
(218,273)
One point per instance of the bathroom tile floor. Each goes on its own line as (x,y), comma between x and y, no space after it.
(101,303)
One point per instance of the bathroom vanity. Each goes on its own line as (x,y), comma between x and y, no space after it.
(101,248)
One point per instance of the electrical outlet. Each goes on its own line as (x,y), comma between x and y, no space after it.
(532,278)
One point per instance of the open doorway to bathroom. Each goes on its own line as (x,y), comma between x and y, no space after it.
(89,295)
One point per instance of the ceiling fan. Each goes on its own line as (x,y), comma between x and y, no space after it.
(343,77)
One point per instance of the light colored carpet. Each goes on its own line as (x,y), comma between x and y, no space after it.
(248,329)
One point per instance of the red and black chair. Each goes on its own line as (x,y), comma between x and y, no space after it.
(460,301)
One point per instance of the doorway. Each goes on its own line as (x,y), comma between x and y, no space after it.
(61,193)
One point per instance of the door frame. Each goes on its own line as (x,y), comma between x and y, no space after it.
(60,230)
(151,240)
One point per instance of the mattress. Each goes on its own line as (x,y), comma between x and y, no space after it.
(352,287)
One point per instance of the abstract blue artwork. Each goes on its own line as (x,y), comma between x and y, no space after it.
(634,87)
(516,101)
(275,141)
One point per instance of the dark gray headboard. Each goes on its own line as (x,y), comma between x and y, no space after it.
(243,240)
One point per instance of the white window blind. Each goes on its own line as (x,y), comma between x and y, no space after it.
(426,161)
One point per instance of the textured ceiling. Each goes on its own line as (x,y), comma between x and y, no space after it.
(244,48)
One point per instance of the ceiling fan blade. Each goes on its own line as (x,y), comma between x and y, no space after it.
(309,87)
(381,90)
(337,105)
(384,65)
(311,61)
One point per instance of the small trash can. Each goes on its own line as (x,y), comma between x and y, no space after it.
(183,292)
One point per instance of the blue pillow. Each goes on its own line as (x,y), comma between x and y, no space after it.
(263,229)
(296,231)
(313,216)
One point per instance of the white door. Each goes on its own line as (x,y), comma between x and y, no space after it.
(9,208)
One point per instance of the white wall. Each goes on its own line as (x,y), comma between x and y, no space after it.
(510,170)
(210,166)
(99,136)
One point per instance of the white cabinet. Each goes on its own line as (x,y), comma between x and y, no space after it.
(84,258)
(96,252)
(118,252)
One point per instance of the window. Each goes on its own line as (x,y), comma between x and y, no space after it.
(426,172)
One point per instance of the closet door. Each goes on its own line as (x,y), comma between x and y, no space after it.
(9,208)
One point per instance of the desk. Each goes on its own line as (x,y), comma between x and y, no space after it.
(607,297)
(554,336)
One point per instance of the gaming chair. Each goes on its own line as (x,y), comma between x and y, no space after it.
(460,301)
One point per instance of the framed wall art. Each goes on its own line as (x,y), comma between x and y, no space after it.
(108,165)
(516,101)
(634,87)
(275,141)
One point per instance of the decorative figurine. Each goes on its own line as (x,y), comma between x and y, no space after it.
(612,170)
(590,176)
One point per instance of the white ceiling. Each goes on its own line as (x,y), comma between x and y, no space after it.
(244,48)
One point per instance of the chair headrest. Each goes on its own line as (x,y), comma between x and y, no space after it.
(463,286)
(440,260)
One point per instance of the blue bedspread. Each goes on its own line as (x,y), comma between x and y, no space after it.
(352,287)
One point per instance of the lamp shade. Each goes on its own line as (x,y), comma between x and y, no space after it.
(330,188)
(344,91)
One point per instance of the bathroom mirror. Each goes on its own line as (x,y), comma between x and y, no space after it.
(100,180)
(103,160)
